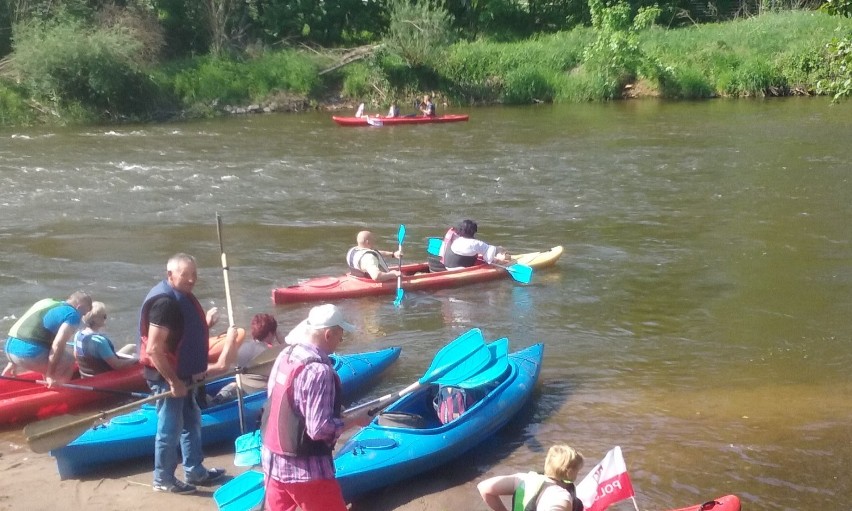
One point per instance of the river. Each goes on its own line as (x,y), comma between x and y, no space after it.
(698,318)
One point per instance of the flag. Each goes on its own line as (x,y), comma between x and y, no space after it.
(606,484)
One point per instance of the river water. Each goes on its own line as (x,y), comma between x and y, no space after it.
(698,318)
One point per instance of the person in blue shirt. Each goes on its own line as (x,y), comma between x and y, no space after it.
(94,352)
(37,341)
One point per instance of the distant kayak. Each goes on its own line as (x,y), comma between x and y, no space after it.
(391,121)
(416,277)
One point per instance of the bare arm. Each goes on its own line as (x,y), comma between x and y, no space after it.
(229,353)
(117,362)
(157,350)
(57,351)
(491,489)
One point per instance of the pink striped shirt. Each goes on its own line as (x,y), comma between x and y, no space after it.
(313,392)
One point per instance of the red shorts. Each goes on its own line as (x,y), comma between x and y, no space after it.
(320,495)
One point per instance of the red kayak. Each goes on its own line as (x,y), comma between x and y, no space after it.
(22,402)
(726,503)
(416,277)
(392,121)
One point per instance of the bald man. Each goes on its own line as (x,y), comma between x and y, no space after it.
(366,261)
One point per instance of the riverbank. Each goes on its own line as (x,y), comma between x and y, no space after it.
(29,481)
(774,54)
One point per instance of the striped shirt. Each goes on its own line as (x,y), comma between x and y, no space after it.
(313,392)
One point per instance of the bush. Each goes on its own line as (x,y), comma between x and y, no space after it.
(528,84)
(419,32)
(71,62)
(13,108)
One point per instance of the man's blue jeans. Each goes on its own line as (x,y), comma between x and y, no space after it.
(178,423)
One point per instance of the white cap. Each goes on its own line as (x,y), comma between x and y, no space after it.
(327,316)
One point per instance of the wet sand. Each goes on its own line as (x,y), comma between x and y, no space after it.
(29,481)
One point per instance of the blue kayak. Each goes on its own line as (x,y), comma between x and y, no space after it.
(132,435)
(380,455)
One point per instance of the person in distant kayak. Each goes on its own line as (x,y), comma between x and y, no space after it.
(264,334)
(553,491)
(366,261)
(302,419)
(427,107)
(173,346)
(37,341)
(93,351)
(461,250)
(393,111)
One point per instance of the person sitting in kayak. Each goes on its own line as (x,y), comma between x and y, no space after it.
(365,261)
(536,492)
(461,250)
(94,352)
(393,111)
(427,107)
(264,332)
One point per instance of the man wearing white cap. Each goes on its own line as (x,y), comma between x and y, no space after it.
(302,420)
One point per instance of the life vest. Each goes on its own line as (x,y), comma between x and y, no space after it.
(31,325)
(189,355)
(449,237)
(526,494)
(88,361)
(353,259)
(284,431)
(450,403)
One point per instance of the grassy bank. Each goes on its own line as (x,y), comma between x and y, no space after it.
(792,52)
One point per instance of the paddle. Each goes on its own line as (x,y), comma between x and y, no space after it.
(56,432)
(520,272)
(230,318)
(374,122)
(400,236)
(80,387)
(240,493)
(455,362)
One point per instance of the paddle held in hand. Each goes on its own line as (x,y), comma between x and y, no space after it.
(520,272)
(56,432)
(399,292)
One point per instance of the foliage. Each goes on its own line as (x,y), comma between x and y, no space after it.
(69,61)
(838,69)
(210,80)
(13,107)
(616,54)
(837,7)
(418,32)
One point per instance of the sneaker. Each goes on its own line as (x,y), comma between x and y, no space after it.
(177,487)
(210,477)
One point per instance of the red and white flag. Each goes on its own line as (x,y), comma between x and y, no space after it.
(606,484)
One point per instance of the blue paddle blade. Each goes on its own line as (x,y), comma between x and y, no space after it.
(401,234)
(495,369)
(247,449)
(434,246)
(459,360)
(400,293)
(520,272)
(240,493)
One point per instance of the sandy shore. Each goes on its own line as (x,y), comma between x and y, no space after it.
(29,481)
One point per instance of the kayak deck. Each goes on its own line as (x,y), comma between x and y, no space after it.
(392,121)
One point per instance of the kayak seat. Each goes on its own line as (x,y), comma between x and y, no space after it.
(401,420)
(435,264)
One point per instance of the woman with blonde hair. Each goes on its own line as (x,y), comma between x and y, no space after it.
(552,491)
(93,350)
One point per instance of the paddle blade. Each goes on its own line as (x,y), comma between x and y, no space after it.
(400,293)
(55,432)
(374,122)
(247,449)
(520,272)
(463,357)
(434,246)
(400,236)
(495,369)
(240,493)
